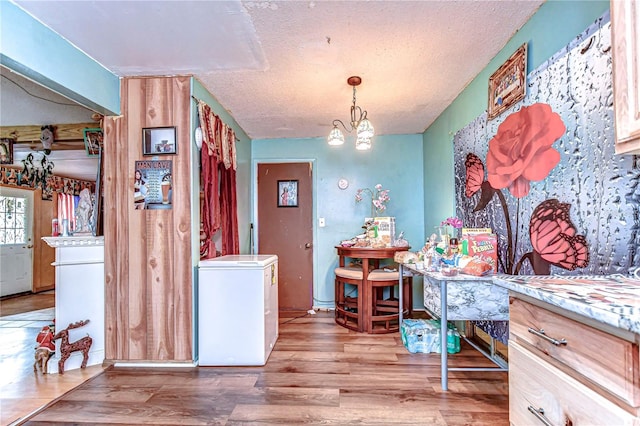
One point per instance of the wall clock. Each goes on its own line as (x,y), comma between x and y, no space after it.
(343,183)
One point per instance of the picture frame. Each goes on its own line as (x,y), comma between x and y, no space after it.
(159,141)
(6,151)
(96,216)
(508,84)
(287,193)
(92,141)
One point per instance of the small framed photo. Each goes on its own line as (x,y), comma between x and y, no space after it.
(159,141)
(92,141)
(508,84)
(6,151)
(287,193)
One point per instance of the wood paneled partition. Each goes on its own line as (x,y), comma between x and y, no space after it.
(44,274)
(148,265)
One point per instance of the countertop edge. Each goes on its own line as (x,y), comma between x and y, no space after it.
(615,319)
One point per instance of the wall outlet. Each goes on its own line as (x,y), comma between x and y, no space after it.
(321,222)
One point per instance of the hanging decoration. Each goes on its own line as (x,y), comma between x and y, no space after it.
(13,176)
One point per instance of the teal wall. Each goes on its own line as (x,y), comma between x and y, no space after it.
(243,160)
(34,51)
(394,161)
(554,25)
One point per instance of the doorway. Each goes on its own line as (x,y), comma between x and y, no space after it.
(16,241)
(285,228)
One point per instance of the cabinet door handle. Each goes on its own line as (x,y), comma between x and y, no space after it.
(540,333)
(539,413)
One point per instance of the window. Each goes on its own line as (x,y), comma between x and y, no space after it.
(13,220)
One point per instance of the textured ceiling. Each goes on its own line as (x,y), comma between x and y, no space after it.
(280,67)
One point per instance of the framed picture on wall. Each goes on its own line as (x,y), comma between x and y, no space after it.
(287,193)
(92,141)
(6,151)
(159,141)
(508,84)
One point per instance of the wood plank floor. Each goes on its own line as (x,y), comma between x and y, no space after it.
(21,391)
(318,373)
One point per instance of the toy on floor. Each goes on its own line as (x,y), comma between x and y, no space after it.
(44,349)
(67,348)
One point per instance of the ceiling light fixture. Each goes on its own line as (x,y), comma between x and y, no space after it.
(359,123)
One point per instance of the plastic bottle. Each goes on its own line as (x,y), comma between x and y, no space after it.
(451,346)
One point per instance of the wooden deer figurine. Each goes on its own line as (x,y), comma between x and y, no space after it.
(67,348)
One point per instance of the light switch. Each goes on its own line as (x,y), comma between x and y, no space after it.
(321,222)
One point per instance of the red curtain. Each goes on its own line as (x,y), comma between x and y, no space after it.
(228,201)
(219,208)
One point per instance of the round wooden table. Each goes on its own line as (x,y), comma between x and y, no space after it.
(370,257)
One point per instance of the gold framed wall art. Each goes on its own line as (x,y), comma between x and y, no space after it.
(508,84)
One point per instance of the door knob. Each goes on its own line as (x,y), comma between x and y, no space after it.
(307,245)
(30,246)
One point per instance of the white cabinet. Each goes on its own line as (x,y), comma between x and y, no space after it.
(625,25)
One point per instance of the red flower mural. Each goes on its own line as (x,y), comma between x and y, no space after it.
(554,239)
(519,153)
(521,150)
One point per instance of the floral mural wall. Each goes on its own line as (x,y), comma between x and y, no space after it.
(544,176)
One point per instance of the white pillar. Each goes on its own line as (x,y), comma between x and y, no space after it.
(79,295)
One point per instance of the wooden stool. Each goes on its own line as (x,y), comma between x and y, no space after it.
(382,314)
(349,310)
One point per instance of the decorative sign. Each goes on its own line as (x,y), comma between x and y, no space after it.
(152,185)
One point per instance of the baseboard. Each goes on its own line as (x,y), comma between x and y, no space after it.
(323,309)
(159,364)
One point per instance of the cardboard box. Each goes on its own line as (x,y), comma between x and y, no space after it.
(482,246)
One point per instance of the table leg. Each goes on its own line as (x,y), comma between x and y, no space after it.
(444,368)
(366,296)
(400,304)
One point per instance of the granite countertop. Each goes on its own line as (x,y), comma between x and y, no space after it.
(610,299)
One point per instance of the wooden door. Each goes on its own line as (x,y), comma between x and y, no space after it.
(285,228)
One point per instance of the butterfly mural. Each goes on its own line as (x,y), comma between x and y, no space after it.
(475,181)
(554,240)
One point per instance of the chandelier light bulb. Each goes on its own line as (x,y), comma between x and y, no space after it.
(365,129)
(363,143)
(336,137)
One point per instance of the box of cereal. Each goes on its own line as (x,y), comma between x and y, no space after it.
(386,227)
(484,246)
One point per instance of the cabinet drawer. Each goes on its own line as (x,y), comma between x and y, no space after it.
(535,384)
(606,360)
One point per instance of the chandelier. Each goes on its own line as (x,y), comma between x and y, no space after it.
(359,123)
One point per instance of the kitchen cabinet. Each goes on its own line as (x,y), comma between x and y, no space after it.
(625,38)
(563,371)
